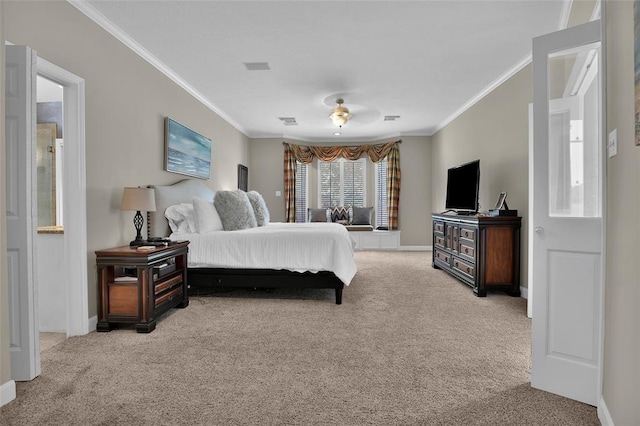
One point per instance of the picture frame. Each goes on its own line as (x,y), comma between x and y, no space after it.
(636,52)
(501,201)
(243,177)
(186,152)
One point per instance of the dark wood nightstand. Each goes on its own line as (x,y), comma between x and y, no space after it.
(136,286)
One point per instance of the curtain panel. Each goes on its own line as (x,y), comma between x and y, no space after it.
(306,154)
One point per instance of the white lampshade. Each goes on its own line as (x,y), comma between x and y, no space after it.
(138,199)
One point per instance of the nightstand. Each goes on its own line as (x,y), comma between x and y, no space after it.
(135,286)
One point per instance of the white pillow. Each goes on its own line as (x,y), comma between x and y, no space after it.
(177,220)
(207,218)
(186,210)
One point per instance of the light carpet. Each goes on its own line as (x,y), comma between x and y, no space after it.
(408,346)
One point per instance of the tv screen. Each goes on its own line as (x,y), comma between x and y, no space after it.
(462,187)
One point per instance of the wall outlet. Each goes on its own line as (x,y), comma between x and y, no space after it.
(612,144)
(278,193)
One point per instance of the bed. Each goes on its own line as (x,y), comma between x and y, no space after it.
(260,257)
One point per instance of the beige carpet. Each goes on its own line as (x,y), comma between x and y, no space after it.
(409,346)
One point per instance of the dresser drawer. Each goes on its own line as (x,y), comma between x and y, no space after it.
(468,233)
(464,267)
(438,240)
(468,250)
(441,256)
(438,227)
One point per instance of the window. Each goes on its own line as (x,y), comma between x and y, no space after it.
(301,192)
(342,183)
(382,217)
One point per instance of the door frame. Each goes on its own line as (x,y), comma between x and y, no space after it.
(543,108)
(74,183)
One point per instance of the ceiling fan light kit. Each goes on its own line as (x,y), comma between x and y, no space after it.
(340,115)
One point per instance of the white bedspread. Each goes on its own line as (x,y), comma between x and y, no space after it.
(295,247)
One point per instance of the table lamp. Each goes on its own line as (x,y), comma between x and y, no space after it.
(137,199)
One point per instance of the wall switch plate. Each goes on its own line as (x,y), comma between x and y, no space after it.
(612,144)
(278,193)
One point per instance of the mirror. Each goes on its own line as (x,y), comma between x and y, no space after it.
(49,156)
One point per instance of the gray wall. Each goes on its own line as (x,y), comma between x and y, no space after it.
(266,176)
(5,354)
(496,131)
(622,286)
(126,102)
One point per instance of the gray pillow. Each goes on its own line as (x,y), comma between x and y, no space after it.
(259,207)
(235,210)
(362,216)
(317,215)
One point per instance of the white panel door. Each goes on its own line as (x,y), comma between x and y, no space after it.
(567,242)
(20,132)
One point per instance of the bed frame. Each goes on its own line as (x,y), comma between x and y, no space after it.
(202,280)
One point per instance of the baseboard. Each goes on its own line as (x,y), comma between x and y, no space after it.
(415,248)
(7,392)
(603,413)
(524,292)
(93,323)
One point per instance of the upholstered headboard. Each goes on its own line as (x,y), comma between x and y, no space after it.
(168,195)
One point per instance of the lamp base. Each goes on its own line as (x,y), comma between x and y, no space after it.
(137,243)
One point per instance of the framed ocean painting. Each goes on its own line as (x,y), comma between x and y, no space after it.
(186,152)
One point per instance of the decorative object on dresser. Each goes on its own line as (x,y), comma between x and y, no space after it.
(501,208)
(136,286)
(137,199)
(481,251)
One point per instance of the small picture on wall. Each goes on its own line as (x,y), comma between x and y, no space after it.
(186,152)
(243,177)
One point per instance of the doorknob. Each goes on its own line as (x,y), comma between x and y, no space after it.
(539,230)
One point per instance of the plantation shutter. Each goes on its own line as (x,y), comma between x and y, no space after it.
(382,215)
(301,192)
(342,183)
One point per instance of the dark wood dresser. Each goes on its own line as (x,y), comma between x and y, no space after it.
(481,251)
(136,286)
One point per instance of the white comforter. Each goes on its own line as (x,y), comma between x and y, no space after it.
(295,247)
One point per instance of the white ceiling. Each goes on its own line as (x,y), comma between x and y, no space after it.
(421,60)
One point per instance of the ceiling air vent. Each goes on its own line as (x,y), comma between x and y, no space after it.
(288,121)
(257,66)
(391,117)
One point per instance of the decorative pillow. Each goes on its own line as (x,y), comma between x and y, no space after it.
(259,207)
(235,210)
(317,215)
(362,216)
(340,215)
(206,216)
(177,220)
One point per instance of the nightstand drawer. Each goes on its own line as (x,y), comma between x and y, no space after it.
(169,296)
(165,285)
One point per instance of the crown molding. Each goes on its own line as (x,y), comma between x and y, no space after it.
(97,17)
(490,88)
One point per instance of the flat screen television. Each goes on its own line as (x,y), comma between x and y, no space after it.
(463,183)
